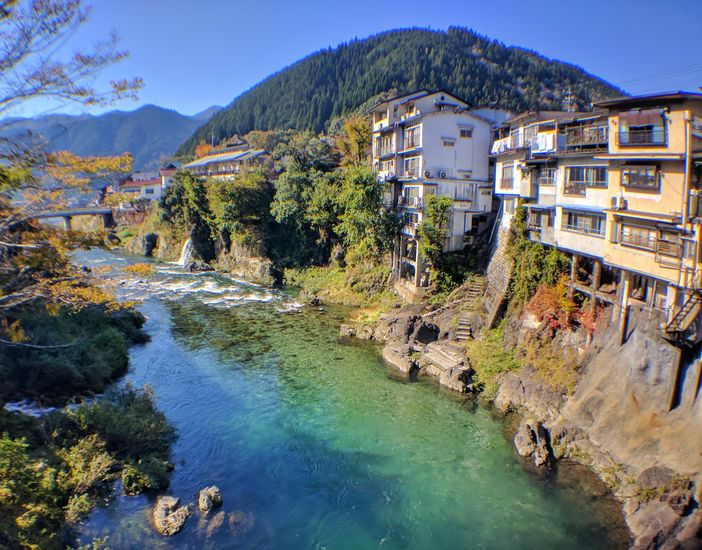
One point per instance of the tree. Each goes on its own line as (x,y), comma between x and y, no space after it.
(31,32)
(432,231)
(365,225)
(355,140)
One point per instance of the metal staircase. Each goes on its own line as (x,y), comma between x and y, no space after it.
(678,327)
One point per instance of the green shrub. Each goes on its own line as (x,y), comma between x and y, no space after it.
(490,360)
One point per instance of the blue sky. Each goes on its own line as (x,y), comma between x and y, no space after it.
(193,54)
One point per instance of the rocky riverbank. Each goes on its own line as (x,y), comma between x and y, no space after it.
(621,417)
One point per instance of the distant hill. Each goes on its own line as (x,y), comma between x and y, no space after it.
(312,92)
(149,133)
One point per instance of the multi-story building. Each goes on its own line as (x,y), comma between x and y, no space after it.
(432,143)
(619,190)
(225,162)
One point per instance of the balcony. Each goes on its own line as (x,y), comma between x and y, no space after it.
(575,188)
(384,152)
(586,138)
(651,136)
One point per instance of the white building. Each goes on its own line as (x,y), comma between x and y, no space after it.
(149,185)
(432,143)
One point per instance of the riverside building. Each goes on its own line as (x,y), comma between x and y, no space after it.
(619,190)
(433,144)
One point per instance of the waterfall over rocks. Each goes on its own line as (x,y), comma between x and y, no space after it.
(186,254)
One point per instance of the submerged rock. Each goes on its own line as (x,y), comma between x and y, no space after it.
(167,517)
(209,498)
(199,266)
(531,440)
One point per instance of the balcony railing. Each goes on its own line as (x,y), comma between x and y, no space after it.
(656,135)
(590,137)
(575,188)
(639,241)
(385,151)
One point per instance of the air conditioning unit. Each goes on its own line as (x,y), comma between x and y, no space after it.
(442,175)
(427,173)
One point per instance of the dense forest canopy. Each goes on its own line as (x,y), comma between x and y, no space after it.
(315,91)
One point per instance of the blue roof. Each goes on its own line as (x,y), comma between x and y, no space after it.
(225,157)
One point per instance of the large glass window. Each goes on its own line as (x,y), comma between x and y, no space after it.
(587,224)
(641,177)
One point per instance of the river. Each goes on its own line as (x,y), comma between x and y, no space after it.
(315,443)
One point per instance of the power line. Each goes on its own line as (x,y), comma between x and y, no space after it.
(679,71)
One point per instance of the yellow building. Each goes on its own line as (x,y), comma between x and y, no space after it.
(653,229)
(620,190)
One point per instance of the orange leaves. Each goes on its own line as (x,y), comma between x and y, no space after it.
(75,171)
(553,305)
(203,149)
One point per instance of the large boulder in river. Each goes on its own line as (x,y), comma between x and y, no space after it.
(531,440)
(209,498)
(148,243)
(168,517)
(199,266)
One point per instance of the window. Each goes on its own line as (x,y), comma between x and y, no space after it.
(587,224)
(641,177)
(149,191)
(579,177)
(637,236)
(547,176)
(413,137)
(507,180)
(380,116)
(466,133)
(670,243)
(411,218)
(447,142)
(411,167)
(383,146)
(386,166)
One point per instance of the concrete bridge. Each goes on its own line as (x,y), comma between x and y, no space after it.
(68,215)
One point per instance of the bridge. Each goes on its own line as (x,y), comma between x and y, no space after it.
(68,215)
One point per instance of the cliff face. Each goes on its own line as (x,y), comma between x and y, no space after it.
(634,418)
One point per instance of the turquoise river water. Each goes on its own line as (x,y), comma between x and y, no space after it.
(315,443)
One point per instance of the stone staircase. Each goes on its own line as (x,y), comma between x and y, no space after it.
(499,271)
(464,330)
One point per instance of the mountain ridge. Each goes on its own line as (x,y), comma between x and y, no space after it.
(151,133)
(325,85)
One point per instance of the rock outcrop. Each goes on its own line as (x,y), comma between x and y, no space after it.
(209,498)
(532,441)
(168,517)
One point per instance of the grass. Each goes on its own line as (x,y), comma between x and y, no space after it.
(359,287)
(490,360)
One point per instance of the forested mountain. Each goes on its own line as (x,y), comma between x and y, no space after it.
(332,82)
(149,133)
